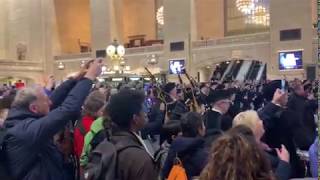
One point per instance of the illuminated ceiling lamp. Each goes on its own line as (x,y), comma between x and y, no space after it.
(61,66)
(245,6)
(261,16)
(153,60)
(115,51)
(159,16)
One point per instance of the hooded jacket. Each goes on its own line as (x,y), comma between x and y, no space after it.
(191,151)
(30,151)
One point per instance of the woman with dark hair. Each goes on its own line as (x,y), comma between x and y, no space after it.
(189,148)
(234,157)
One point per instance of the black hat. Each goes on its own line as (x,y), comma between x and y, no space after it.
(270,88)
(169,87)
(218,95)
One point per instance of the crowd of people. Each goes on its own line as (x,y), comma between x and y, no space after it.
(213,130)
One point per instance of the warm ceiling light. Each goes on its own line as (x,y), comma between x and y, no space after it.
(115,50)
(61,66)
(261,16)
(160,17)
(245,6)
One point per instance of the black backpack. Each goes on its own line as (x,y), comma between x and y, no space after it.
(4,172)
(103,161)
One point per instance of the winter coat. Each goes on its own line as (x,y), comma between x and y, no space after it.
(280,125)
(85,123)
(133,162)
(96,127)
(30,151)
(192,153)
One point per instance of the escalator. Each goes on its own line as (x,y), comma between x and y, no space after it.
(253,64)
(244,69)
(228,70)
(263,73)
(220,70)
(255,71)
(236,69)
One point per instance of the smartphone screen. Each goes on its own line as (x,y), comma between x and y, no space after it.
(283,85)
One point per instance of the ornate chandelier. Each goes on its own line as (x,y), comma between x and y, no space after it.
(160,17)
(261,16)
(245,6)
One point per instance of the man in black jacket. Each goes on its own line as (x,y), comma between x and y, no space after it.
(305,108)
(280,124)
(220,103)
(30,151)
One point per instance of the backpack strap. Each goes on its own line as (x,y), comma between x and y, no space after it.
(81,128)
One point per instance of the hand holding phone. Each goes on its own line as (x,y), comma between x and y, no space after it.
(283,85)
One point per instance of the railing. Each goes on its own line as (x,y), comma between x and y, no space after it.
(20,65)
(250,38)
(72,56)
(145,49)
(6,62)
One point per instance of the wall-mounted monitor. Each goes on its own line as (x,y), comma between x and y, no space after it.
(177,66)
(290,60)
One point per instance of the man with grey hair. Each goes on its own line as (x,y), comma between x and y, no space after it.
(35,118)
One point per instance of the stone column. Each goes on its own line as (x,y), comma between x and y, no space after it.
(103,29)
(3,29)
(18,27)
(297,15)
(180,26)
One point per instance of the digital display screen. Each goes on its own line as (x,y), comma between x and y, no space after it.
(289,60)
(177,66)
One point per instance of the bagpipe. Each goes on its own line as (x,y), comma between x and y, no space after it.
(190,93)
(161,95)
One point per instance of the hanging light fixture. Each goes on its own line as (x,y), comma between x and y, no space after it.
(83,63)
(115,51)
(61,66)
(160,17)
(245,6)
(261,16)
(153,60)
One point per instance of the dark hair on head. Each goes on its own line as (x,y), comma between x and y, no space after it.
(190,123)
(233,156)
(171,128)
(124,105)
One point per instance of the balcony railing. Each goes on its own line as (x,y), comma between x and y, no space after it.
(17,65)
(144,49)
(6,62)
(251,38)
(72,56)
